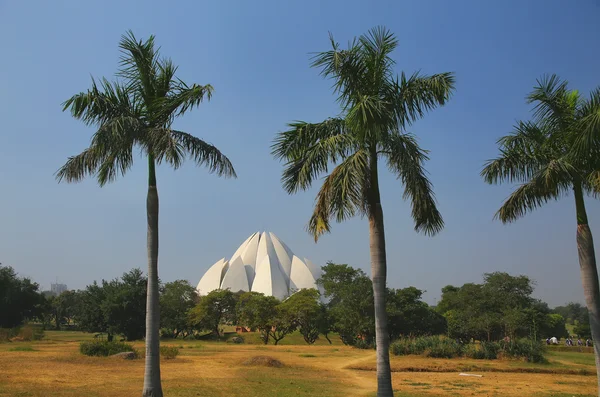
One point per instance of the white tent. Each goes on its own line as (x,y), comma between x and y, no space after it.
(263,263)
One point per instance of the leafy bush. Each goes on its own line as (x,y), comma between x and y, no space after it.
(104,348)
(430,346)
(444,348)
(169,352)
(527,349)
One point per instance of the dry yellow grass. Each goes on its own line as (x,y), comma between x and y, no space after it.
(216,369)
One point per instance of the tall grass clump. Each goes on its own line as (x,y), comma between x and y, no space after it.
(104,348)
(483,351)
(26,333)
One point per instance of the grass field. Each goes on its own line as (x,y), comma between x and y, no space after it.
(54,367)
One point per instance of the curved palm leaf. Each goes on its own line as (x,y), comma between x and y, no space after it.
(342,194)
(406,160)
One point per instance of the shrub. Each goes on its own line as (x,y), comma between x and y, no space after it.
(527,349)
(444,348)
(104,348)
(169,352)
(430,346)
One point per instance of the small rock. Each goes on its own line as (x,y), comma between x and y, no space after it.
(125,355)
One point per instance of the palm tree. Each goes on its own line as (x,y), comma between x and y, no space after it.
(551,156)
(137,111)
(377,106)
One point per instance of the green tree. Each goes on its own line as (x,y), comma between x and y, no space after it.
(350,302)
(325,322)
(572,312)
(89,315)
(257,311)
(213,309)
(62,308)
(176,299)
(137,111)
(554,326)
(545,156)
(501,306)
(19,298)
(583,330)
(377,106)
(409,315)
(283,323)
(124,305)
(305,310)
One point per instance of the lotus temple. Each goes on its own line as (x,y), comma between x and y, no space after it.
(263,263)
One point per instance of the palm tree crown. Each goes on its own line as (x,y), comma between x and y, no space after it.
(545,154)
(377,106)
(138,111)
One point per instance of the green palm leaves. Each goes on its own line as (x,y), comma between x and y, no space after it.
(138,110)
(377,107)
(552,154)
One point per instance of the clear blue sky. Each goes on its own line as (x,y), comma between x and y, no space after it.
(256,55)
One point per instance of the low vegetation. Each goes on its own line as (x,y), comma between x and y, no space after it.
(442,347)
(104,348)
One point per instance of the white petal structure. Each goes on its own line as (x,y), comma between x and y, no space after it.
(263,263)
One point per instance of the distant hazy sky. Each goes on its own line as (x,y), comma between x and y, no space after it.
(256,55)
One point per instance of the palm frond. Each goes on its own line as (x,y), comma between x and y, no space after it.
(165,79)
(139,64)
(342,194)
(204,154)
(531,195)
(183,98)
(115,163)
(554,104)
(522,154)
(410,98)
(588,125)
(78,167)
(98,106)
(293,143)
(308,149)
(347,69)
(376,47)
(406,160)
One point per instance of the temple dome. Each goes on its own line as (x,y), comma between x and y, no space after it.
(263,263)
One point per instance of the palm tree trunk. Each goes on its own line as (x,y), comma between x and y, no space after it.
(152,386)
(589,273)
(379,276)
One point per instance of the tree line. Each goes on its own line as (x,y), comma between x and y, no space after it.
(343,306)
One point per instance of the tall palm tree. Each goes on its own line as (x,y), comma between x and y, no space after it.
(377,106)
(552,155)
(137,111)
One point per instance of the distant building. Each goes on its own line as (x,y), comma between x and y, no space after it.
(58,289)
